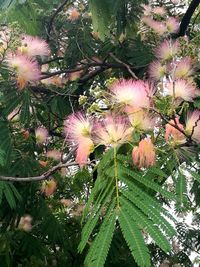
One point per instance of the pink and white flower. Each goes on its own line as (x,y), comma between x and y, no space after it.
(54,154)
(32,46)
(49,187)
(41,135)
(26,70)
(181,89)
(141,120)
(73,14)
(144,154)
(25,223)
(167,50)
(78,130)
(84,148)
(193,125)
(172,134)
(134,94)
(112,131)
(77,126)
(157,70)
(183,68)
(172,25)
(157,26)
(159,10)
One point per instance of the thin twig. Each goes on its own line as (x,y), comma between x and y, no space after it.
(125,65)
(41,177)
(50,25)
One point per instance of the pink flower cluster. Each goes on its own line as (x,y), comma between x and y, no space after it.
(23,61)
(133,98)
(132,101)
(157,19)
(173,72)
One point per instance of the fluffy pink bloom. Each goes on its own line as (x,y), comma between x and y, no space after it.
(54,154)
(132,93)
(25,223)
(112,131)
(41,135)
(141,120)
(159,10)
(181,89)
(77,126)
(4,40)
(174,135)
(183,68)
(167,50)
(33,46)
(49,187)
(85,147)
(26,70)
(156,26)
(193,125)
(78,130)
(144,154)
(172,25)
(146,9)
(157,70)
(73,14)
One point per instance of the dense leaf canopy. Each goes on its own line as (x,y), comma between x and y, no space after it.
(100,133)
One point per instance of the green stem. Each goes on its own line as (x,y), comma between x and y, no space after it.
(116,177)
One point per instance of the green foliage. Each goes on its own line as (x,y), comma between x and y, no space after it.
(134,239)
(108,213)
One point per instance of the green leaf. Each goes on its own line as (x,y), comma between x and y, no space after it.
(181,189)
(142,220)
(134,239)
(9,196)
(98,252)
(148,183)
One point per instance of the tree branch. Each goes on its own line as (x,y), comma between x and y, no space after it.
(187,17)
(41,177)
(50,24)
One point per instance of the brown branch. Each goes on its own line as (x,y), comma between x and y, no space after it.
(104,66)
(127,66)
(41,177)
(50,25)
(187,17)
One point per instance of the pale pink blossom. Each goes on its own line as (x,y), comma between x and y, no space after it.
(132,93)
(73,14)
(84,148)
(54,154)
(26,70)
(172,134)
(156,26)
(144,154)
(78,130)
(25,223)
(157,70)
(167,50)
(159,10)
(77,126)
(141,120)
(4,40)
(49,187)
(183,68)
(193,125)
(32,46)
(181,89)
(172,25)
(112,130)
(146,9)
(73,76)
(41,135)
